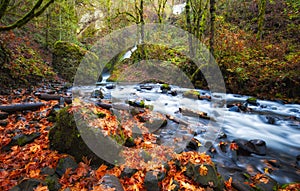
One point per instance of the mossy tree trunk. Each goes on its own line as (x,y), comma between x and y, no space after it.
(261,17)
(212,26)
(189,26)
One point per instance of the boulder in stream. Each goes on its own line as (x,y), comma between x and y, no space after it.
(255,146)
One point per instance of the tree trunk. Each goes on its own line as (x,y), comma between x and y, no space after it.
(261,17)
(212,26)
(36,11)
(189,26)
(21,107)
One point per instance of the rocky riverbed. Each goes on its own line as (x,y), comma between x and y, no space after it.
(252,143)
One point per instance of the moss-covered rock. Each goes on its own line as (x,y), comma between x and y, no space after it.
(68,56)
(193,94)
(21,140)
(65,137)
(205,175)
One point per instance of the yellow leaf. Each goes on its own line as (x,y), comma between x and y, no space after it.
(203,170)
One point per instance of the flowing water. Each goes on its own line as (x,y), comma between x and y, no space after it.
(275,123)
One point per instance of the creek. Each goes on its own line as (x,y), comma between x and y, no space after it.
(272,122)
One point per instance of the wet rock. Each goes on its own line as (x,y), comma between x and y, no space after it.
(137,103)
(207,179)
(52,182)
(271,120)
(155,122)
(252,101)
(234,108)
(28,185)
(151,181)
(255,146)
(97,94)
(270,185)
(260,147)
(222,135)
(193,145)
(173,92)
(112,181)
(146,87)
(3,115)
(64,164)
(241,186)
(128,172)
(192,94)
(21,140)
(298,161)
(110,86)
(223,146)
(275,163)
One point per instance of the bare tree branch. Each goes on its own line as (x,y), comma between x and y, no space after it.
(36,11)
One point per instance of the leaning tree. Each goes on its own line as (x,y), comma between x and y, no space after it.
(34,11)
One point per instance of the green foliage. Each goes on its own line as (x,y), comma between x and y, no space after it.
(101,115)
(22,63)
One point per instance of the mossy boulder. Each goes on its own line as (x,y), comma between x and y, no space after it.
(68,56)
(206,175)
(65,137)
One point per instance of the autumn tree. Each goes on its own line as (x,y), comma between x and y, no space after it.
(36,10)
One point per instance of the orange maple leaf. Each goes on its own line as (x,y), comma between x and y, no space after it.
(100,171)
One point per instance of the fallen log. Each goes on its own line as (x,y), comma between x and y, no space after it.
(49,97)
(191,113)
(177,120)
(21,107)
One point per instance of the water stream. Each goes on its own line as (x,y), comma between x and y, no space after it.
(275,123)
